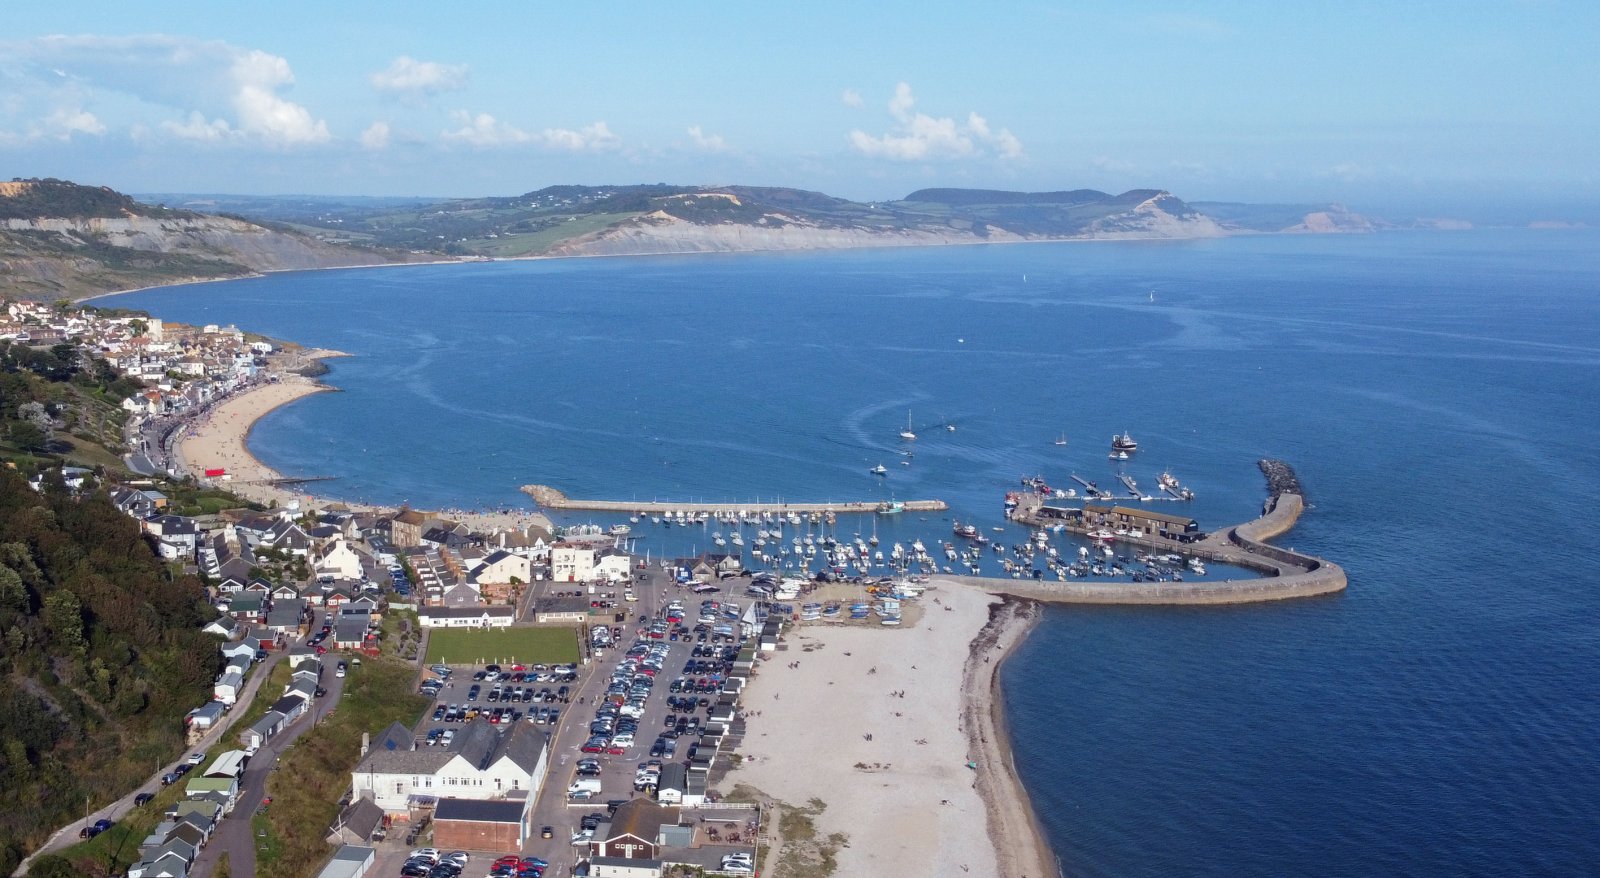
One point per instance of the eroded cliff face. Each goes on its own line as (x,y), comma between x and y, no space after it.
(660,232)
(210,237)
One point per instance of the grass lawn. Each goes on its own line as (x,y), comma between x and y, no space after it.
(465,646)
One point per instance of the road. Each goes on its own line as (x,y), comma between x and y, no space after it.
(68,835)
(234,836)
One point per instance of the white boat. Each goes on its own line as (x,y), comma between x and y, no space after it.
(907,434)
(620,530)
(879,470)
(1117,455)
(1124,442)
(1062,439)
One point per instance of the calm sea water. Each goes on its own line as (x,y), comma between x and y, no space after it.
(1437,393)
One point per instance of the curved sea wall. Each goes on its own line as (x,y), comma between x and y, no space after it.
(1286,573)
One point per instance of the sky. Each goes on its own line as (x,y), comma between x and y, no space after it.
(1434,106)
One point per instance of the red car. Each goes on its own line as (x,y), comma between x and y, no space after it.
(614,750)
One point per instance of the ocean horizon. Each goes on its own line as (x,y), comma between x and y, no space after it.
(1437,718)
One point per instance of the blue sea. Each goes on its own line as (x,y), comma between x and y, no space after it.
(1437,393)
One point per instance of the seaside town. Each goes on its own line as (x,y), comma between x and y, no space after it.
(582,710)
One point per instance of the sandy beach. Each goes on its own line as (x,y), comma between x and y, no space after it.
(219,439)
(880,724)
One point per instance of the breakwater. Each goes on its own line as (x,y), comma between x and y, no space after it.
(1285,572)
(551,498)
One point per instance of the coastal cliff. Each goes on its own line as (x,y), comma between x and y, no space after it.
(59,239)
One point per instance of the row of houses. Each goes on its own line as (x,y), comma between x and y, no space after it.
(169,851)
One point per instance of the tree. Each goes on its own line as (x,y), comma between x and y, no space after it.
(63,615)
(29,437)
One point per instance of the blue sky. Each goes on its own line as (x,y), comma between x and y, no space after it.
(1433,104)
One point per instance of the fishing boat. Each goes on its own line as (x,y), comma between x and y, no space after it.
(879,470)
(907,433)
(1124,442)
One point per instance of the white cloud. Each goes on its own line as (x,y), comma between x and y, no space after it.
(485,130)
(482,129)
(64,122)
(376,136)
(920,137)
(590,138)
(707,142)
(205,80)
(852,98)
(408,76)
(198,127)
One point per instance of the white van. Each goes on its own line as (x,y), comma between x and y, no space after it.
(590,785)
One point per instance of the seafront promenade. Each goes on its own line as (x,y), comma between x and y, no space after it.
(550,498)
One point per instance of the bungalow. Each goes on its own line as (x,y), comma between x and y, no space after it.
(350,632)
(224,626)
(285,616)
(246,606)
(228,687)
(230,764)
(263,731)
(245,646)
(466,617)
(291,706)
(284,592)
(624,867)
(206,715)
(171,860)
(226,787)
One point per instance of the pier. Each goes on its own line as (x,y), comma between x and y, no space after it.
(550,498)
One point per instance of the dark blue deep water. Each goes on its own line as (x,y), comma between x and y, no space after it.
(1438,394)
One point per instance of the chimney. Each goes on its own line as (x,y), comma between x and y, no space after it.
(366,741)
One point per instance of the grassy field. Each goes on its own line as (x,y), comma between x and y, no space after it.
(534,243)
(465,646)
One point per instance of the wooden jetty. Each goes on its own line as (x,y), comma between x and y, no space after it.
(550,498)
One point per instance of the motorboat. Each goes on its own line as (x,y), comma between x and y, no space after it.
(1124,442)
(879,470)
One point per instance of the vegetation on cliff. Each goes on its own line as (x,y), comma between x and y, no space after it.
(102,656)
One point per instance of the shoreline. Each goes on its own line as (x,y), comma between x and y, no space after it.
(480,260)
(1013,824)
(894,716)
(222,440)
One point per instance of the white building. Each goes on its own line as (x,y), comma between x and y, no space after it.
(466,617)
(394,769)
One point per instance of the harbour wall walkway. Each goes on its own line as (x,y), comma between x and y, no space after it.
(1285,572)
(550,498)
